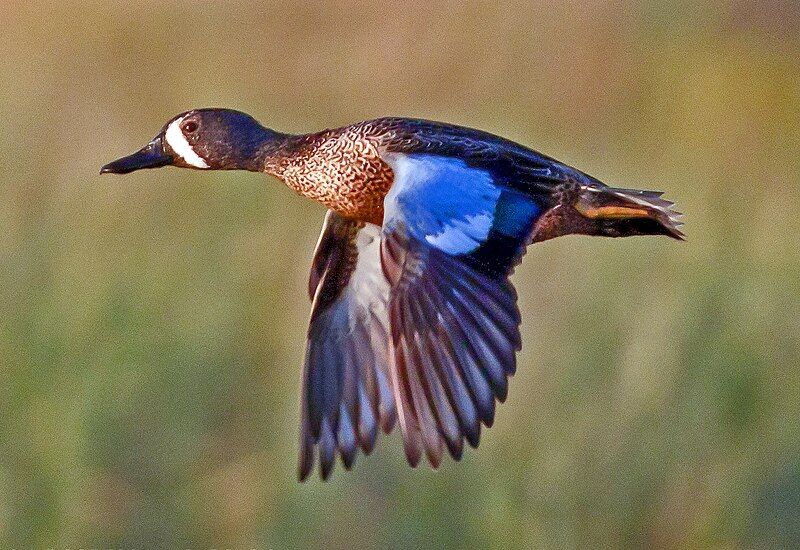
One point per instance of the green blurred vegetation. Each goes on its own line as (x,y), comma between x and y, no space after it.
(152,326)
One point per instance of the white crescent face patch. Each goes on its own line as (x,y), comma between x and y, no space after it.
(177,141)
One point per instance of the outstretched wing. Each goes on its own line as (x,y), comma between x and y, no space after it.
(346,389)
(451,236)
(417,320)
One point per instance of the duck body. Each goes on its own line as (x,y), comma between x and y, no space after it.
(349,169)
(414,319)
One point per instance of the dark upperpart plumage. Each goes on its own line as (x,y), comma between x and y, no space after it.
(413,317)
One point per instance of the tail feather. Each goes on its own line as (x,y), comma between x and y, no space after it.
(643,212)
(658,207)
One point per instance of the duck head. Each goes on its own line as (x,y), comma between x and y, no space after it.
(215,139)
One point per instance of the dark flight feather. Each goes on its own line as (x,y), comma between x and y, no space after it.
(346,394)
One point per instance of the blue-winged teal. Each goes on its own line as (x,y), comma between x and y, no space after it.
(413,316)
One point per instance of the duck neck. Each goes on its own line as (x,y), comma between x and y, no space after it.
(285,156)
(265,152)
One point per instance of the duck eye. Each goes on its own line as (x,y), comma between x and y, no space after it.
(190,127)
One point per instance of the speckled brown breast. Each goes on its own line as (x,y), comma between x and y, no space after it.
(342,169)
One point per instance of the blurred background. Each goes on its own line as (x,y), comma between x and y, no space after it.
(152,326)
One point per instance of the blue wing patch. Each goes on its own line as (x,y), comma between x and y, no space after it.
(459,210)
(441,201)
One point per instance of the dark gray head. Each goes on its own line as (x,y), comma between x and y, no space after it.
(216,139)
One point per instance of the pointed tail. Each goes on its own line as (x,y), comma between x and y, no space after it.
(624,212)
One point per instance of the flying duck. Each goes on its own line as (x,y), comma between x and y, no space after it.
(413,319)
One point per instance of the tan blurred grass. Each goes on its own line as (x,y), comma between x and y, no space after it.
(151,327)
